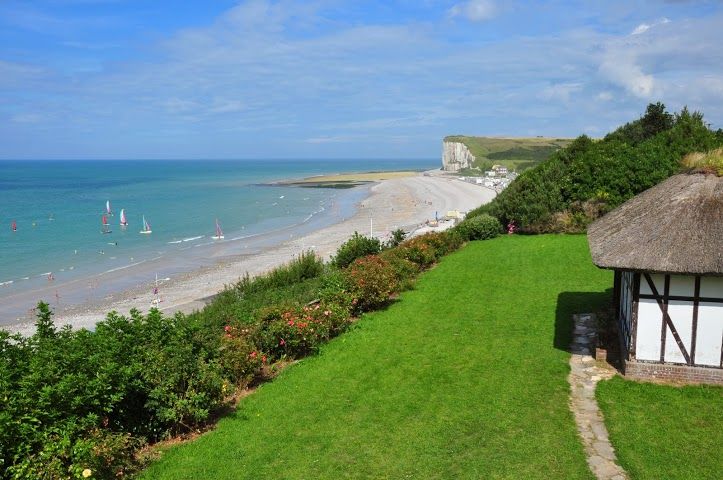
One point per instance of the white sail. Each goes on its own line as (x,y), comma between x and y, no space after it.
(123,220)
(146,226)
(219,232)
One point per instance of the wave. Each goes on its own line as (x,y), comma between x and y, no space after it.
(193,238)
(174,242)
(124,267)
(9,282)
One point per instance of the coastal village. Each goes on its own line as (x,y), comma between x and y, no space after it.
(321,295)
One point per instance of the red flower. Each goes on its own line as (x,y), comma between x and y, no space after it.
(227,328)
(253,355)
(291,323)
(263,358)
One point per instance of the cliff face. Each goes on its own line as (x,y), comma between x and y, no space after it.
(456,156)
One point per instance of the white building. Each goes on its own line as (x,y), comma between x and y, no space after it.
(666,247)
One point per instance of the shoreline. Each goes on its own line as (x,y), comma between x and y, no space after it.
(405,202)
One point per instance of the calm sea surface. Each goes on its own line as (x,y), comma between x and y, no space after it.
(58,207)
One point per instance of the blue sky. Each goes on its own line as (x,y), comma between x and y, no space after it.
(340,79)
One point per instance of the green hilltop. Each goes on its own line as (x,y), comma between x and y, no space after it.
(514,153)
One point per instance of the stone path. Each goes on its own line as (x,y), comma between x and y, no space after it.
(584,374)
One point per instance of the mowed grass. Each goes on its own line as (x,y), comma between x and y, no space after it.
(662,431)
(463,377)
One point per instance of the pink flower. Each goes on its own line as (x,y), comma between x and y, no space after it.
(263,358)
(227,328)
(282,342)
(228,335)
(253,355)
(291,323)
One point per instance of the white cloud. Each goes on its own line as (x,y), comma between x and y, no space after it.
(560,91)
(474,10)
(604,96)
(644,27)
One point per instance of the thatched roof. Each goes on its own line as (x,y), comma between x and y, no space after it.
(674,227)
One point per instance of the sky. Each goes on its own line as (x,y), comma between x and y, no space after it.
(130,79)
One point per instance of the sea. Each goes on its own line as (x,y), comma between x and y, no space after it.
(57,208)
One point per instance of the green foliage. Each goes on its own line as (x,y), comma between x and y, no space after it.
(479,227)
(588,178)
(356,247)
(77,400)
(372,280)
(398,237)
(307,265)
(425,249)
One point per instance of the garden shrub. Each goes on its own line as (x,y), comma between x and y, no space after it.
(480,227)
(372,280)
(307,265)
(419,251)
(397,237)
(299,331)
(404,270)
(356,247)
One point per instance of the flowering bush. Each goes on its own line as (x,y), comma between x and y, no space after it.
(295,332)
(419,251)
(239,356)
(356,247)
(404,270)
(372,280)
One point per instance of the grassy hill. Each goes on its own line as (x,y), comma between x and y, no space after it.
(448,382)
(588,178)
(514,153)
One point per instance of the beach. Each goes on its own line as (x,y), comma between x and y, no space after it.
(407,201)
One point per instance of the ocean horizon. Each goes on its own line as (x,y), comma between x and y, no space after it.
(57,207)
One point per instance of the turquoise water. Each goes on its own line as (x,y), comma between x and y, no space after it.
(58,205)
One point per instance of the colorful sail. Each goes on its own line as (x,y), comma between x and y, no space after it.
(146,226)
(219,232)
(14,226)
(123,220)
(105,220)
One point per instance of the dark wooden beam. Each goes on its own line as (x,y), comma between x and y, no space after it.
(662,303)
(694,328)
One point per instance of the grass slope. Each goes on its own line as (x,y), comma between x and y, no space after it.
(463,377)
(661,431)
(515,153)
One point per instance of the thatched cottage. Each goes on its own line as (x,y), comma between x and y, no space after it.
(666,247)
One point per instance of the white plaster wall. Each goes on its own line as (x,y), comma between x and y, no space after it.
(647,345)
(710,333)
(681,313)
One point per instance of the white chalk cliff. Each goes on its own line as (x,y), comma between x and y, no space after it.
(456,156)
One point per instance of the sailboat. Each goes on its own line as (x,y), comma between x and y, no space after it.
(156,297)
(107,208)
(106,227)
(146,226)
(14,226)
(219,232)
(123,220)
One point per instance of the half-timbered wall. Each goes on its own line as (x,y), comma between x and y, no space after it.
(678,319)
(625,308)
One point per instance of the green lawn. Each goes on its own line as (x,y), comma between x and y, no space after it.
(661,431)
(463,377)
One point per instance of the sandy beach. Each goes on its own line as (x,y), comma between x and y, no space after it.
(402,202)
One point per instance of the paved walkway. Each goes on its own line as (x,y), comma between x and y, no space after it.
(584,374)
